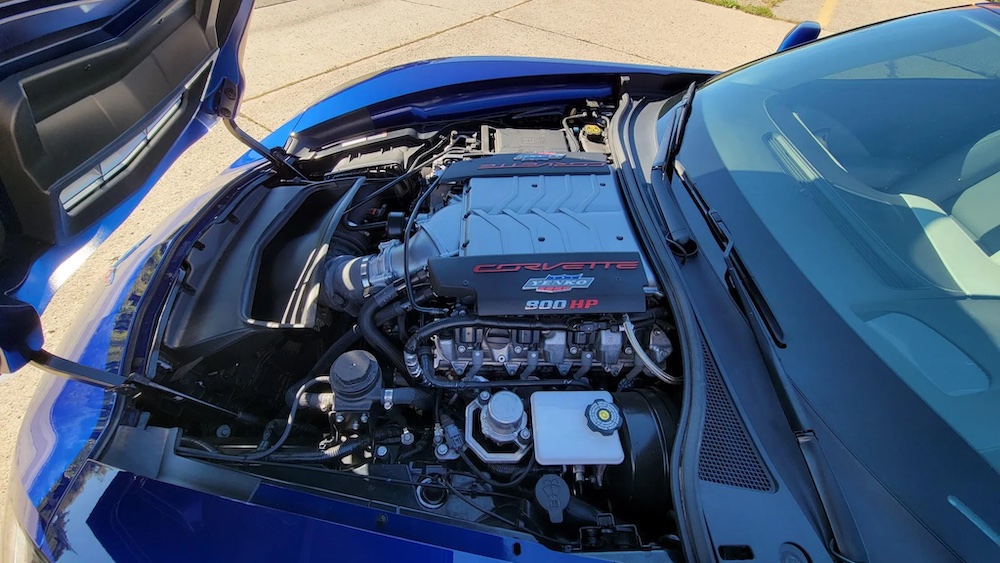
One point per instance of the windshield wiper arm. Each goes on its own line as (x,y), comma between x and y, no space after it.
(673,146)
(846,537)
(678,233)
(743,285)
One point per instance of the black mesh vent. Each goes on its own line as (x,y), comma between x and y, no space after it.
(727,454)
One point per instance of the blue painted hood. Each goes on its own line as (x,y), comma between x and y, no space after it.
(146,77)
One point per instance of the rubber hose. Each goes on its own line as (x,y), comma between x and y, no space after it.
(339,346)
(412,396)
(337,451)
(390,312)
(277,426)
(289,422)
(581,513)
(200,443)
(332,453)
(487,479)
(505,469)
(376,338)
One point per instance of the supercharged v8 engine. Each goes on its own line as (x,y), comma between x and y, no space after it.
(482,326)
(542,234)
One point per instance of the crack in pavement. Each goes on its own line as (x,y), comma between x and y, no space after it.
(567,36)
(384,51)
(255,122)
(428,5)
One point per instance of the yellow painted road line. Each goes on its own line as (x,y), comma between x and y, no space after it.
(825,15)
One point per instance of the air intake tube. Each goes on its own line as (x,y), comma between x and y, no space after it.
(348,280)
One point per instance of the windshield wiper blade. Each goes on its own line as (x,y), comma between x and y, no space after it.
(676,137)
(678,231)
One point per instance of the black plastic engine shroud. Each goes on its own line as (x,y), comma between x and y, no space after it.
(543,284)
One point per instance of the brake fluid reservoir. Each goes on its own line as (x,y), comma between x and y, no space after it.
(576,428)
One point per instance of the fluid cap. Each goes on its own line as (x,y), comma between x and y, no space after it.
(503,417)
(604,417)
(355,373)
(593,132)
(552,494)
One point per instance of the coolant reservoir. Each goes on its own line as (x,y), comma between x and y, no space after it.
(576,428)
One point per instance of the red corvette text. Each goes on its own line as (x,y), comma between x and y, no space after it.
(548,267)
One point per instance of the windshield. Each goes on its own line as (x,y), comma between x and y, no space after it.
(873,159)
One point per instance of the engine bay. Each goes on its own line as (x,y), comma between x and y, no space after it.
(461,312)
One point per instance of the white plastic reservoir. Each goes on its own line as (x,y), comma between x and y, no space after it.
(562,436)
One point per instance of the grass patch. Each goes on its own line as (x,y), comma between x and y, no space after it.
(761,8)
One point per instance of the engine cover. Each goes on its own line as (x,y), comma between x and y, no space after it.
(544,284)
(538,233)
(544,242)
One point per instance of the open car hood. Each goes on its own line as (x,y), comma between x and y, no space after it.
(97,99)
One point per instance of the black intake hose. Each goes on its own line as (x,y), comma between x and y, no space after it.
(375,337)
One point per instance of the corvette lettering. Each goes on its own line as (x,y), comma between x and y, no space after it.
(548,267)
(542,164)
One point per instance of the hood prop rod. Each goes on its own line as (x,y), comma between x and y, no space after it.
(109,381)
(225,106)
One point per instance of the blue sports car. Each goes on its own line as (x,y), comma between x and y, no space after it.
(509,309)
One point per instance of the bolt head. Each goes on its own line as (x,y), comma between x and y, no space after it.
(223,431)
(518,349)
(441,450)
(381,451)
(484,396)
(573,350)
(364,418)
(524,434)
(339,418)
(387,405)
(462,348)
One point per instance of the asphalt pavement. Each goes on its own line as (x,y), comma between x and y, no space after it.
(298,50)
